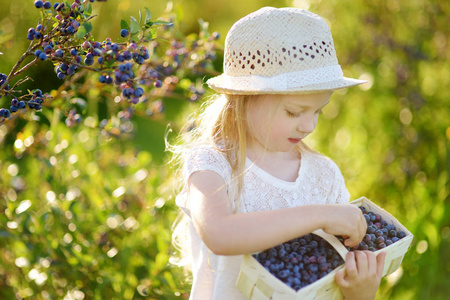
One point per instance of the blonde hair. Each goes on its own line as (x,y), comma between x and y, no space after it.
(221,123)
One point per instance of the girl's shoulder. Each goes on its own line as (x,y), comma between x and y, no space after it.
(206,157)
(319,161)
(205,151)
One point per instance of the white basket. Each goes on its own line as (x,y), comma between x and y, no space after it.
(256,283)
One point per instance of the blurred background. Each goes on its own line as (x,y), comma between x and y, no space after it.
(86,215)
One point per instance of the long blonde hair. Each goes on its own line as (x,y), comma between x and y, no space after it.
(222,123)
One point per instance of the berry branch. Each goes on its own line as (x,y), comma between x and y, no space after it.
(150,57)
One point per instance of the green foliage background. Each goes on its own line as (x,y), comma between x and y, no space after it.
(84,215)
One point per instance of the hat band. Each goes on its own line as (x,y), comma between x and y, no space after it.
(286,81)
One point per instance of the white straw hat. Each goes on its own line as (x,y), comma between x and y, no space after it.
(280,51)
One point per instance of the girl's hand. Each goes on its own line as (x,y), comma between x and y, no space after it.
(363,271)
(346,220)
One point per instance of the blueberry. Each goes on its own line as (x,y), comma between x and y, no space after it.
(73,52)
(59,53)
(401,234)
(42,56)
(64,67)
(4,113)
(102,79)
(363,246)
(124,33)
(48,49)
(13,109)
(216,35)
(139,60)
(15,102)
(21,104)
(123,68)
(37,53)
(38,4)
(284,273)
(158,83)
(47,4)
(127,55)
(379,240)
(89,60)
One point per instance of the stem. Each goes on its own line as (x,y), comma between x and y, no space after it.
(19,82)
(24,68)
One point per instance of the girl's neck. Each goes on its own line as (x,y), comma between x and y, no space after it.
(282,165)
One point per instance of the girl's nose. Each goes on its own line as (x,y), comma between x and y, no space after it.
(307,125)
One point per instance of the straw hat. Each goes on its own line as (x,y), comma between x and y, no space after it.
(280,51)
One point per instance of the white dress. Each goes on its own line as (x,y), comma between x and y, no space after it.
(319,181)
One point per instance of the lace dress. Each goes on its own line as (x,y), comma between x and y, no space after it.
(319,181)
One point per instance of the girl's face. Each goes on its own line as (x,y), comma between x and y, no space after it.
(277,123)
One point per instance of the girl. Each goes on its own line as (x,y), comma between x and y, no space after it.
(250,182)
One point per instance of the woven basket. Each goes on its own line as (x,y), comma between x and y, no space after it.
(256,283)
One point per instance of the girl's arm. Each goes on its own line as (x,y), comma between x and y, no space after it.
(225,233)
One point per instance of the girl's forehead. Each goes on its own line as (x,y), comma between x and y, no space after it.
(304,100)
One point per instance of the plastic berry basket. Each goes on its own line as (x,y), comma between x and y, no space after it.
(257,283)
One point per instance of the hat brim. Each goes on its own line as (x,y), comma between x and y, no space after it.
(222,84)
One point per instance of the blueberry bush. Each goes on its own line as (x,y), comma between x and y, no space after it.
(83,189)
(85,196)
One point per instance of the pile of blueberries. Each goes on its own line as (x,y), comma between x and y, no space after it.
(304,260)
(301,261)
(379,233)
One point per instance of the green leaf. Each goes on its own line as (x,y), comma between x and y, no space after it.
(88,9)
(162,23)
(134,26)
(81,33)
(149,35)
(148,15)
(87,26)
(124,24)
(67,6)
(140,16)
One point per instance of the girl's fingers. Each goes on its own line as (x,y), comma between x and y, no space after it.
(350,265)
(362,262)
(371,261)
(340,279)
(380,263)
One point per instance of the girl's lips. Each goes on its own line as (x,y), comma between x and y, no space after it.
(294,141)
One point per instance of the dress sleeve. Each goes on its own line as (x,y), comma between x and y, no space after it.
(205,158)
(202,158)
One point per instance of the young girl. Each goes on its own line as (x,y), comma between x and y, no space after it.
(250,182)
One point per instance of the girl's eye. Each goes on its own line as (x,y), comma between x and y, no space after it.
(291,114)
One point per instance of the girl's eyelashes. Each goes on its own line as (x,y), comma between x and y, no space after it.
(295,115)
(291,114)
